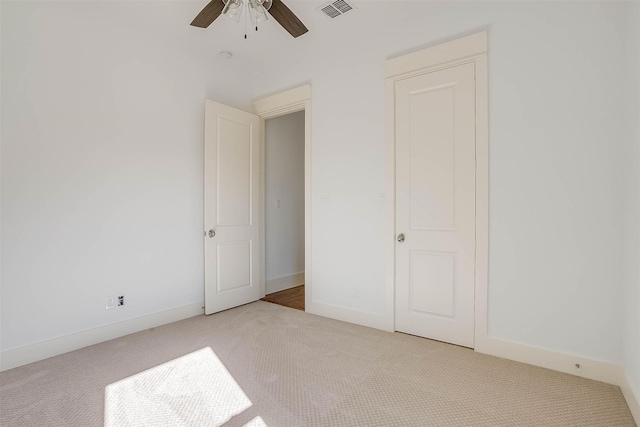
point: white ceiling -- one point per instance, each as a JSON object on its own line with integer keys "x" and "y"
{"x": 383, "y": 26}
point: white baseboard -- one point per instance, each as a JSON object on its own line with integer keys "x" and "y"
{"x": 363, "y": 318}
{"x": 598, "y": 370}
{"x": 286, "y": 282}
{"x": 632, "y": 396}
{"x": 607, "y": 372}
{"x": 32, "y": 353}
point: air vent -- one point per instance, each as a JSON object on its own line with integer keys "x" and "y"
{"x": 336, "y": 8}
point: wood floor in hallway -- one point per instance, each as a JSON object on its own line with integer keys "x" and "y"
{"x": 293, "y": 298}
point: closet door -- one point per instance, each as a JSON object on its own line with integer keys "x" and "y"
{"x": 435, "y": 205}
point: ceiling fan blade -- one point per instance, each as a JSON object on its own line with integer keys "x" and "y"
{"x": 287, "y": 18}
{"x": 209, "y": 14}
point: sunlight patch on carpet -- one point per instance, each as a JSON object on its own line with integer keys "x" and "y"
{"x": 256, "y": 422}
{"x": 195, "y": 389}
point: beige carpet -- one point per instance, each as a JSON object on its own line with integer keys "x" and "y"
{"x": 263, "y": 364}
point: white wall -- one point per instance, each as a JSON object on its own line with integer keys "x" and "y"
{"x": 284, "y": 165}
{"x": 555, "y": 243}
{"x": 102, "y": 129}
{"x": 102, "y": 157}
{"x": 631, "y": 210}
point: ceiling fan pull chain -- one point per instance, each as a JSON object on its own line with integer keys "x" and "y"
{"x": 245, "y": 21}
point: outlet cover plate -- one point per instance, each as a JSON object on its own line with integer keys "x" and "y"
{"x": 111, "y": 302}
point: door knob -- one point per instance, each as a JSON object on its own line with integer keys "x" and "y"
{"x": 211, "y": 233}
{"x": 401, "y": 237}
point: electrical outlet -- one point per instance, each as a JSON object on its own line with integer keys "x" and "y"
{"x": 112, "y": 302}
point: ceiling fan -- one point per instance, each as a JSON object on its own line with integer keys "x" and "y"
{"x": 256, "y": 9}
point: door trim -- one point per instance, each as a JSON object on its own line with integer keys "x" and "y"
{"x": 290, "y": 101}
{"x": 469, "y": 49}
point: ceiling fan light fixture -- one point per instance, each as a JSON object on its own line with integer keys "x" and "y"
{"x": 265, "y": 3}
{"x": 257, "y": 12}
{"x": 233, "y": 9}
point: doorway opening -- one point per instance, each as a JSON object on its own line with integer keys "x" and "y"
{"x": 284, "y": 210}
{"x": 274, "y": 106}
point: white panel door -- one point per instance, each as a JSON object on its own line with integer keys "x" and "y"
{"x": 231, "y": 207}
{"x": 435, "y": 205}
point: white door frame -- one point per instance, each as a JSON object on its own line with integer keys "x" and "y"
{"x": 290, "y": 101}
{"x": 470, "y": 49}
